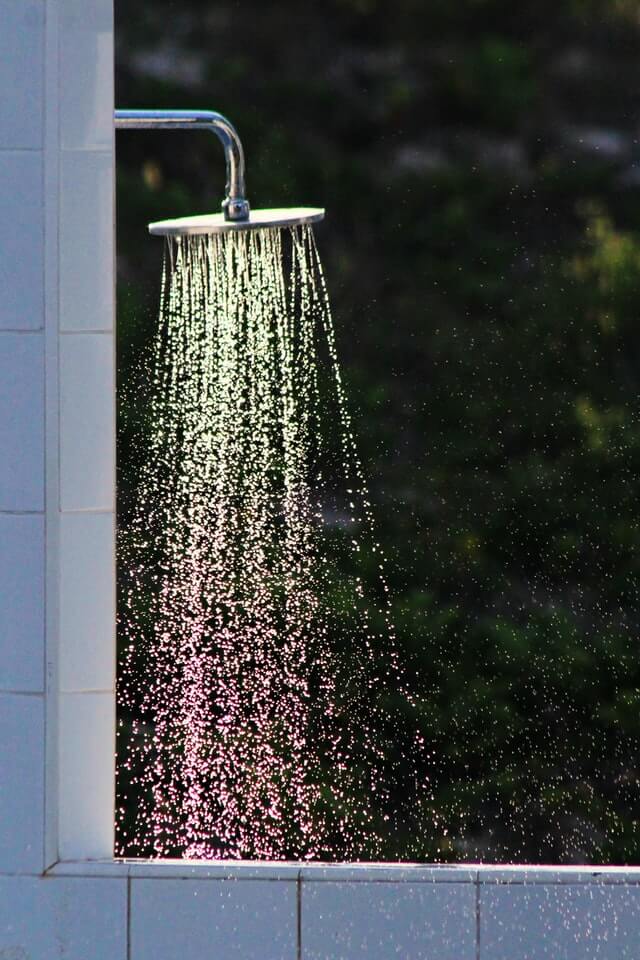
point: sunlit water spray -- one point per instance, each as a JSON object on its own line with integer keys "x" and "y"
{"x": 260, "y": 690}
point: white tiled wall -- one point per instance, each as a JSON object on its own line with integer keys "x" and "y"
{"x": 57, "y": 614}
{"x": 85, "y": 662}
{"x": 22, "y": 430}
{"x": 214, "y": 912}
{"x": 57, "y": 427}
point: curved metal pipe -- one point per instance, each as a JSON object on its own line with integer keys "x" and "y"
{"x": 235, "y": 205}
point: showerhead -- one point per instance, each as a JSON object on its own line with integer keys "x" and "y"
{"x": 217, "y": 222}
{"x": 236, "y": 213}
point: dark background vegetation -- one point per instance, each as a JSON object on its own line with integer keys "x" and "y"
{"x": 479, "y": 163}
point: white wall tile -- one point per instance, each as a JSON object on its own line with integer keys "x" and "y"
{"x": 21, "y": 73}
{"x": 52, "y": 918}
{"x": 87, "y": 425}
{"x": 559, "y": 922}
{"x": 377, "y": 921}
{"x": 21, "y": 237}
{"x": 86, "y": 74}
{"x": 216, "y": 919}
{"x": 21, "y": 602}
{"x": 21, "y": 782}
{"x": 21, "y": 421}
{"x": 86, "y": 241}
{"x": 86, "y": 774}
{"x": 87, "y": 601}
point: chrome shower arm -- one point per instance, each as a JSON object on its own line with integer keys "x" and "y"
{"x": 235, "y": 205}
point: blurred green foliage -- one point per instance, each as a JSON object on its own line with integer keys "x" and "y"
{"x": 479, "y": 165}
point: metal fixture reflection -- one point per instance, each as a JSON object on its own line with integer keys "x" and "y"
{"x": 235, "y": 206}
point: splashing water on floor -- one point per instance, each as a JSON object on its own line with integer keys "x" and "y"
{"x": 260, "y": 689}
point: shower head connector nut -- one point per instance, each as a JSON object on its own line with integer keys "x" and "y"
{"x": 236, "y": 209}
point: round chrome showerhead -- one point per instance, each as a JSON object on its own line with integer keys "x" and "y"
{"x": 217, "y": 223}
{"x": 236, "y": 212}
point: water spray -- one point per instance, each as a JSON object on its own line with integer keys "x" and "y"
{"x": 258, "y": 666}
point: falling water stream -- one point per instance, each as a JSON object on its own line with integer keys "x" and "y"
{"x": 260, "y": 689}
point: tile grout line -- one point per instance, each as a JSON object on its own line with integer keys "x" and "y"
{"x": 88, "y": 512}
{"x": 23, "y": 693}
{"x": 88, "y": 692}
{"x": 49, "y": 121}
{"x": 87, "y": 148}
{"x": 299, "y": 916}
{"x": 88, "y": 332}
{"x": 478, "y": 915}
{"x": 128, "y": 918}
{"x": 51, "y": 176}
{"x": 27, "y": 331}
{"x": 110, "y": 877}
